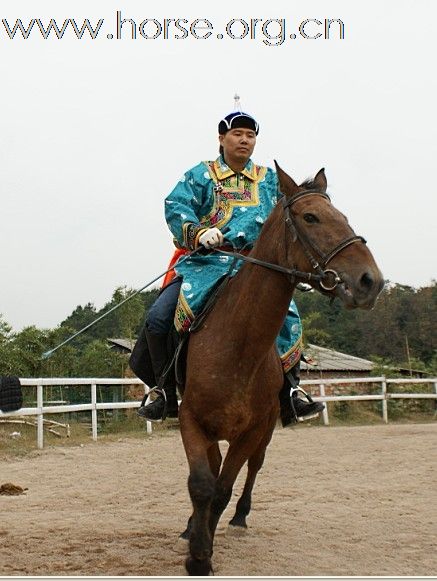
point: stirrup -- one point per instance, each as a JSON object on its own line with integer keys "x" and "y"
{"x": 307, "y": 395}
{"x": 310, "y": 399}
{"x": 161, "y": 392}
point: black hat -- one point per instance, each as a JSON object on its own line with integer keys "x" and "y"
{"x": 237, "y": 119}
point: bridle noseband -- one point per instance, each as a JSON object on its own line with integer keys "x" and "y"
{"x": 328, "y": 278}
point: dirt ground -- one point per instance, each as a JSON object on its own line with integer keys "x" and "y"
{"x": 328, "y": 501}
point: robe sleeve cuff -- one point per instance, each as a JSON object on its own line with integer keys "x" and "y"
{"x": 192, "y": 233}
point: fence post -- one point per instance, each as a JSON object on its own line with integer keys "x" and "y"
{"x": 325, "y": 411}
{"x": 148, "y": 424}
{"x": 435, "y": 401}
{"x": 40, "y": 421}
{"x": 384, "y": 401}
{"x": 94, "y": 410}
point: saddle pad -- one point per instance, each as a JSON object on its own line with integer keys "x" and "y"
{"x": 11, "y": 396}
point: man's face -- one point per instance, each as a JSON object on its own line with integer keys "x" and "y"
{"x": 238, "y": 144}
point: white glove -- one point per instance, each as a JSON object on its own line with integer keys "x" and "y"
{"x": 211, "y": 238}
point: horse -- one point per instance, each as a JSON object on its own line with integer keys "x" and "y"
{"x": 233, "y": 370}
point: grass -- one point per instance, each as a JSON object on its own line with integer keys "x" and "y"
{"x": 109, "y": 427}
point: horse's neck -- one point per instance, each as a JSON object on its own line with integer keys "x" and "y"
{"x": 258, "y": 297}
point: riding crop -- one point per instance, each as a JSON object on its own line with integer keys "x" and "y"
{"x": 50, "y": 352}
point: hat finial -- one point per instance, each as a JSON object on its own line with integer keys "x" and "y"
{"x": 237, "y": 104}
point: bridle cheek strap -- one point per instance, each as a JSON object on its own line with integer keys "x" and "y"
{"x": 329, "y": 278}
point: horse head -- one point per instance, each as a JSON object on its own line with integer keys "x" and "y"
{"x": 321, "y": 242}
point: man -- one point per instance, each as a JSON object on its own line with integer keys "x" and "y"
{"x": 219, "y": 203}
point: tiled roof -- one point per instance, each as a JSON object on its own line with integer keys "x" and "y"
{"x": 327, "y": 359}
{"x": 124, "y": 343}
{"x": 324, "y": 359}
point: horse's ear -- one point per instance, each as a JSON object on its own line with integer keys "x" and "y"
{"x": 286, "y": 184}
{"x": 320, "y": 180}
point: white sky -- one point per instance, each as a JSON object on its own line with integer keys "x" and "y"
{"x": 94, "y": 135}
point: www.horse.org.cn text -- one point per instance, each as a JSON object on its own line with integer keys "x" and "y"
{"x": 269, "y": 31}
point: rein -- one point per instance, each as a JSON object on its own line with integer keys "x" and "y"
{"x": 327, "y": 278}
{"x": 308, "y": 276}
{"x": 323, "y": 275}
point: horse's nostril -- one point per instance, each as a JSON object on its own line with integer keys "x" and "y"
{"x": 367, "y": 280}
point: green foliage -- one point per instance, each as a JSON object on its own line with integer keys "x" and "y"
{"x": 89, "y": 354}
{"x": 431, "y": 367}
{"x": 99, "y": 360}
{"x": 5, "y": 330}
{"x": 123, "y": 322}
{"x": 383, "y": 366}
{"x": 80, "y": 317}
{"x": 401, "y": 314}
{"x": 312, "y": 333}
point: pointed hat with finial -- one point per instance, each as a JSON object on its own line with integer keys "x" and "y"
{"x": 237, "y": 119}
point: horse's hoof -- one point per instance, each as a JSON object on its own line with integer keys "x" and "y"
{"x": 198, "y": 568}
{"x": 181, "y": 546}
{"x": 236, "y": 531}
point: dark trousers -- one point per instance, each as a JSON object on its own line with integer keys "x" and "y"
{"x": 161, "y": 313}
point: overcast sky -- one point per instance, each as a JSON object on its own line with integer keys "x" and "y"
{"x": 95, "y": 133}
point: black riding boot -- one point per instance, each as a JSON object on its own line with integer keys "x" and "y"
{"x": 166, "y": 404}
{"x": 294, "y": 408}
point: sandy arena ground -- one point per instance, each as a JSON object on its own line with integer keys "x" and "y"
{"x": 328, "y": 501}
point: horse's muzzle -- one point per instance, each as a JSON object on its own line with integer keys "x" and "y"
{"x": 360, "y": 292}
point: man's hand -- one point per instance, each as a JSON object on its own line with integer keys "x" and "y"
{"x": 211, "y": 238}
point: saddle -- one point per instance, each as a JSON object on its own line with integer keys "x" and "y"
{"x": 177, "y": 345}
{"x": 11, "y": 396}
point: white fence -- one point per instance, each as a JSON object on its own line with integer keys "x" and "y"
{"x": 383, "y": 396}
{"x": 93, "y": 407}
{"x": 42, "y": 409}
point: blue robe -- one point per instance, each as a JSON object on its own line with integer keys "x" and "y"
{"x": 212, "y": 195}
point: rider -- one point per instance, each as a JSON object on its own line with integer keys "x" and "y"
{"x": 221, "y": 203}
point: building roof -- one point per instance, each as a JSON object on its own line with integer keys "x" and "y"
{"x": 324, "y": 359}
{"x": 124, "y": 344}
{"x": 321, "y": 359}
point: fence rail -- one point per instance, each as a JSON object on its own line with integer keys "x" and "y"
{"x": 40, "y": 410}
{"x": 93, "y": 406}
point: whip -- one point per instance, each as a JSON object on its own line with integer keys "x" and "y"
{"x": 50, "y": 352}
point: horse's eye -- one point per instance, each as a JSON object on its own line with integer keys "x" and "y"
{"x": 310, "y": 218}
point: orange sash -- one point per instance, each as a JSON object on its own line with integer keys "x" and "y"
{"x": 171, "y": 274}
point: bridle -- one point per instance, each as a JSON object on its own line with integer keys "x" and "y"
{"x": 327, "y": 278}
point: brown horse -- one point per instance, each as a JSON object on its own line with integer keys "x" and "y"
{"x": 234, "y": 373}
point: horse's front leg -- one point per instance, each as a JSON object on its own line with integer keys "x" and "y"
{"x": 254, "y": 464}
{"x": 201, "y": 485}
{"x": 215, "y": 462}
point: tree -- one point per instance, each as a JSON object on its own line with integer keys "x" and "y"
{"x": 99, "y": 360}
{"x": 130, "y": 315}
{"x": 311, "y": 331}
{"x": 28, "y": 346}
{"x": 123, "y": 322}
{"x": 7, "y": 359}
{"x": 401, "y": 312}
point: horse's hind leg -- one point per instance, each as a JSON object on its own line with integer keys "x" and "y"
{"x": 254, "y": 464}
{"x": 201, "y": 483}
{"x": 239, "y": 451}
{"x": 215, "y": 462}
